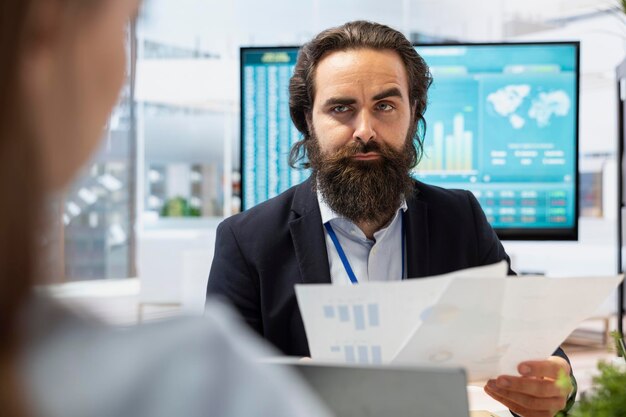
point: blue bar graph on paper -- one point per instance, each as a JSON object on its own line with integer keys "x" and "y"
{"x": 377, "y": 355}
{"x": 363, "y": 354}
{"x": 359, "y": 317}
{"x": 344, "y": 313}
{"x": 349, "y": 352}
{"x": 363, "y": 316}
{"x": 372, "y": 311}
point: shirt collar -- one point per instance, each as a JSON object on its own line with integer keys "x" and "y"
{"x": 328, "y": 214}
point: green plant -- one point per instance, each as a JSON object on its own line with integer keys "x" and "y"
{"x": 608, "y": 396}
{"x": 179, "y": 207}
{"x": 618, "y": 339}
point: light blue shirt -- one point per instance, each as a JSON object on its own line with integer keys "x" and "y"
{"x": 371, "y": 260}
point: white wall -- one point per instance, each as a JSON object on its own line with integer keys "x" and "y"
{"x": 174, "y": 262}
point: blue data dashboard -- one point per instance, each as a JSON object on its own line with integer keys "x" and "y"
{"x": 266, "y": 129}
{"x": 502, "y": 122}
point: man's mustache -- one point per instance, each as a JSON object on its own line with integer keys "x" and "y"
{"x": 360, "y": 147}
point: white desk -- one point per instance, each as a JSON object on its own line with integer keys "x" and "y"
{"x": 479, "y": 400}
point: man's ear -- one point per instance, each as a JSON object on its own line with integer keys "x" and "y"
{"x": 309, "y": 121}
{"x": 413, "y": 110}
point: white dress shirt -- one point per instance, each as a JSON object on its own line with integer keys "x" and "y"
{"x": 371, "y": 260}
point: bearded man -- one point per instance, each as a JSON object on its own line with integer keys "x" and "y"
{"x": 358, "y": 96}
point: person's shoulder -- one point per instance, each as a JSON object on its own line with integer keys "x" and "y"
{"x": 215, "y": 360}
{"x": 190, "y": 366}
{"x": 193, "y": 366}
{"x": 219, "y": 331}
{"x": 111, "y": 370}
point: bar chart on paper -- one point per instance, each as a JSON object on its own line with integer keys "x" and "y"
{"x": 357, "y": 317}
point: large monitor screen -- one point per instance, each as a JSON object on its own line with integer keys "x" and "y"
{"x": 267, "y": 133}
{"x": 502, "y": 122}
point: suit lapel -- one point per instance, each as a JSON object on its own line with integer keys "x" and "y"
{"x": 309, "y": 242}
{"x": 416, "y": 220}
{"x": 307, "y": 233}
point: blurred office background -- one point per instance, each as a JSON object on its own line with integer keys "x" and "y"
{"x": 138, "y": 226}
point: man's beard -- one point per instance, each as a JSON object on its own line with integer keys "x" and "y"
{"x": 363, "y": 191}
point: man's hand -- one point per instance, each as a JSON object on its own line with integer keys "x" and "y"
{"x": 535, "y": 393}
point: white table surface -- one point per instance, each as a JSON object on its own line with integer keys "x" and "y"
{"x": 479, "y": 400}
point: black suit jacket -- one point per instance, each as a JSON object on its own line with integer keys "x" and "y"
{"x": 263, "y": 252}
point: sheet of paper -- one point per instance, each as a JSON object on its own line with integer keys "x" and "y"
{"x": 488, "y": 325}
{"x": 368, "y": 323}
{"x": 472, "y": 318}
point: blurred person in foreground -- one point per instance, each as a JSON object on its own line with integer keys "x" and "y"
{"x": 63, "y": 64}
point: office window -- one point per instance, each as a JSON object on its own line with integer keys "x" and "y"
{"x": 186, "y": 123}
{"x": 98, "y": 210}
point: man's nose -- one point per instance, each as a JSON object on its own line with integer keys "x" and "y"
{"x": 364, "y": 129}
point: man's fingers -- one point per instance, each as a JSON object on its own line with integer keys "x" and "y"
{"x": 516, "y": 408}
{"x": 535, "y": 393}
{"x": 550, "y": 368}
{"x": 526, "y": 405}
{"x": 543, "y": 388}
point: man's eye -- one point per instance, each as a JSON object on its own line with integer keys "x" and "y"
{"x": 340, "y": 109}
{"x": 384, "y": 106}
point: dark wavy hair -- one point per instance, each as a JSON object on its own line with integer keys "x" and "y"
{"x": 355, "y": 35}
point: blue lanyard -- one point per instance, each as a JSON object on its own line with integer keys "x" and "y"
{"x": 344, "y": 258}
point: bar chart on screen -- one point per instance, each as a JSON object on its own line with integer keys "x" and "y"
{"x": 450, "y": 153}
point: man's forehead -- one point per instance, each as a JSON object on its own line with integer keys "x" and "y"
{"x": 368, "y": 69}
{"x": 347, "y": 59}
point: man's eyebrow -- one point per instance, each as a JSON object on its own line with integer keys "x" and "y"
{"x": 392, "y": 92}
{"x": 339, "y": 101}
